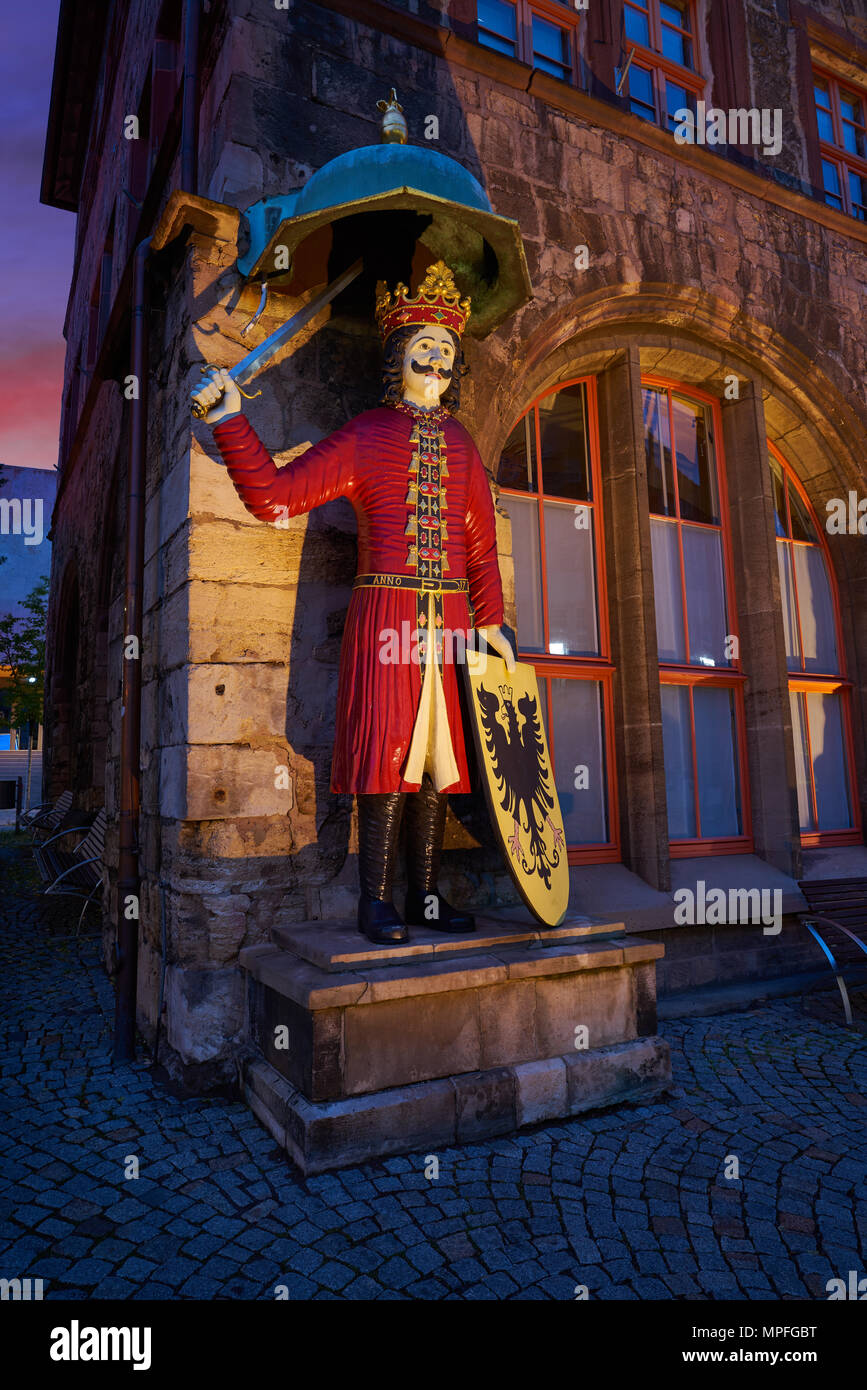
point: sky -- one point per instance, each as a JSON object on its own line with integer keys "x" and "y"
{"x": 36, "y": 245}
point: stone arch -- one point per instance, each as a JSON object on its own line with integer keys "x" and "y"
{"x": 699, "y": 337}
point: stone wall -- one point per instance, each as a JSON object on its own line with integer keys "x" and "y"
{"x": 697, "y": 270}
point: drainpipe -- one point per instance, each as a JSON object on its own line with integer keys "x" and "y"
{"x": 129, "y": 874}
{"x": 190, "y": 122}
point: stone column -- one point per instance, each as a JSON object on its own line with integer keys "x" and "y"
{"x": 637, "y": 709}
{"x": 770, "y": 749}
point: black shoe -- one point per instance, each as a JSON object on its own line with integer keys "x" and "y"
{"x": 379, "y": 921}
{"x": 445, "y": 917}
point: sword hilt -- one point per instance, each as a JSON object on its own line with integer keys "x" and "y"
{"x": 200, "y": 411}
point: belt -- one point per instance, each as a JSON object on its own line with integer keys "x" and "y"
{"x": 409, "y": 581}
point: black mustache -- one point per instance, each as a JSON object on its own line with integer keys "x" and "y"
{"x": 430, "y": 367}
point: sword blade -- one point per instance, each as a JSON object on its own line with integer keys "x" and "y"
{"x": 251, "y": 365}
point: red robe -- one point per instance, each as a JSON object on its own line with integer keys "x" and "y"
{"x": 368, "y": 461}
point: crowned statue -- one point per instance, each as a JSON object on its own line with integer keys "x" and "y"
{"x": 427, "y": 557}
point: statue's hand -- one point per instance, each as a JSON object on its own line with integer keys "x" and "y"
{"x": 219, "y": 394}
{"x": 499, "y": 642}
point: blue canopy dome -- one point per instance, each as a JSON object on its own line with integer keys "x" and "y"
{"x": 375, "y": 169}
{"x": 399, "y": 207}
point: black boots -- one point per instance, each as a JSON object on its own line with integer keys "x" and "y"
{"x": 378, "y": 826}
{"x": 379, "y": 818}
{"x": 425, "y": 824}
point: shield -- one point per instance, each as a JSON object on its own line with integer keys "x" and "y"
{"x": 509, "y": 733}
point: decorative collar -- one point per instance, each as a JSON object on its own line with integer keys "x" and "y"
{"x": 435, "y": 413}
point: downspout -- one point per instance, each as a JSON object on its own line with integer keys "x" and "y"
{"x": 129, "y": 873}
{"x": 129, "y": 869}
{"x": 190, "y": 119}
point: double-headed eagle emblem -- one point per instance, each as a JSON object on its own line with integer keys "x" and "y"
{"x": 518, "y": 762}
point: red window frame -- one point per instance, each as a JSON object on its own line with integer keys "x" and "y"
{"x": 654, "y": 61}
{"x": 845, "y": 161}
{"x": 680, "y": 673}
{"x": 813, "y": 683}
{"x": 598, "y": 668}
{"x": 556, "y": 12}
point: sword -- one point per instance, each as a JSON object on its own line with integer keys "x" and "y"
{"x": 251, "y": 365}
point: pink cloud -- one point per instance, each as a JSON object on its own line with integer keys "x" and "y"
{"x": 30, "y": 414}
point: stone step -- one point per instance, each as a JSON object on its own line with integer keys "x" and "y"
{"x": 427, "y": 1116}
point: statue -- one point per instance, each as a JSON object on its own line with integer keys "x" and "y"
{"x": 427, "y": 558}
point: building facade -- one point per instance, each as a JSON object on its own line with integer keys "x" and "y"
{"x": 674, "y": 427}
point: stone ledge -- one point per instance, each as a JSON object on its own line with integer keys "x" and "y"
{"x": 459, "y": 1109}
{"x": 315, "y": 988}
{"x": 339, "y": 945}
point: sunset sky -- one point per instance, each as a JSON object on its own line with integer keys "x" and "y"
{"x": 36, "y": 246}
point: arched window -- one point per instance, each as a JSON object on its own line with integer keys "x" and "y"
{"x": 550, "y": 486}
{"x": 818, "y": 689}
{"x": 699, "y": 669}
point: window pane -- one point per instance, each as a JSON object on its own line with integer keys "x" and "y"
{"x": 802, "y": 525}
{"x": 829, "y": 761}
{"x": 641, "y": 99}
{"x": 802, "y": 760}
{"x": 675, "y": 14}
{"x": 570, "y": 572}
{"x": 551, "y": 48}
{"x": 816, "y": 610}
{"x": 831, "y": 180}
{"x": 498, "y": 26}
{"x": 579, "y": 742}
{"x": 696, "y": 474}
{"x": 858, "y": 195}
{"x": 677, "y": 98}
{"x": 716, "y": 762}
{"x": 780, "y": 521}
{"x": 564, "y": 444}
{"x": 677, "y": 746}
{"x": 705, "y": 596}
{"x": 667, "y": 593}
{"x": 637, "y": 26}
{"x": 676, "y": 47}
{"x": 517, "y": 467}
{"x": 850, "y": 108}
{"x": 790, "y": 616}
{"x": 826, "y": 126}
{"x": 524, "y": 515}
{"x": 657, "y": 447}
{"x": 823, "y": 99}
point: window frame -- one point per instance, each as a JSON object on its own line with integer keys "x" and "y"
{"x": 561, "y": 15}
{"x": 600, "y": 667}
{"x": 817, "y": 683}
{"x": 844, "y": 160}
{"x": 661, "y": 67}
{"x": 730, "y": 677}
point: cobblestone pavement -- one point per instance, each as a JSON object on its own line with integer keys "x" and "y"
{"x": 632, "y": 1203}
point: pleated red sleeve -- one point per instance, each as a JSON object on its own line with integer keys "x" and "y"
{"x": 483, "y": 572}
{"x": 323, "y": 472}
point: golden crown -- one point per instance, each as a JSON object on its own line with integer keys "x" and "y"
{"x": 438, "y": 301}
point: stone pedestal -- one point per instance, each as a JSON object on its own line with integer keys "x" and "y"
{"x": 370, "y": 1050}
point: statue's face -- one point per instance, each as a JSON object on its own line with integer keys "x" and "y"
{"x": 428, "y": 363}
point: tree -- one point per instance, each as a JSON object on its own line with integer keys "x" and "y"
{"x": 22, "y": 650}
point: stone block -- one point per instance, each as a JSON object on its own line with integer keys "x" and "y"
{"x": 401, "y": 1041}
{"x": 611, "y": 1074}
{"x": 541, "y": 1090}
{"x": 486, "y": 1104}
{"x": 205, "y": 1011}
{"x": 602, "y": 1001}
